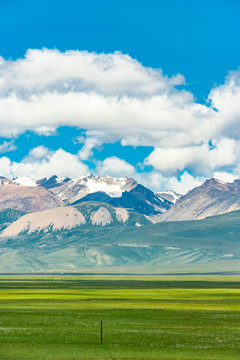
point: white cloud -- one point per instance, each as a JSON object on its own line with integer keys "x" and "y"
{"x": 172, "y": 160}
{"x": 89, "y": 144}
{"x": 110, "y": 93}
{"x": 185, "y": 183}
{"x": 113, "y": 166}
{"x": 39, "y": 152}
{"x": 226, "y": 99}
{"x": 157, "y": 182}
{"x": 149, "y": 121}
{"x": 41, "y": 163}
{"x": 224, "y": 176}
{"x": 7, "y": 146}
{"x": 5, "y": 167}
{"x": 109, "y": 74}
{"x": 114, "y": 97}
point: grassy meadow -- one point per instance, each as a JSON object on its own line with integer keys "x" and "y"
{"x": 144, "y": 317}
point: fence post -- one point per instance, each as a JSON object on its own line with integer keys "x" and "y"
{"x": 101, "y": 332}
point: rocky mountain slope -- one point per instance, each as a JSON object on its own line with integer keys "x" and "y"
{"x": 143, "y": 201}
{"x": 214, "y": 197}
{"x": 52, "y": 181}
{"x": 26, "y": 198}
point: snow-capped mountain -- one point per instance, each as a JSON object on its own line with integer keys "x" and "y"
{"x": 52, "y": 181}
{"x": 121, "y": 192}
{"x": 214, "y": 197}
{"x": 71, "y": 190}
{"x": 169, "y": 195}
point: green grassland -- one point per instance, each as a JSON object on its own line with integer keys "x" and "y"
{"x": 144, "y": 317}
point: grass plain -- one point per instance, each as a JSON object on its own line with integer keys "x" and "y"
{"x": 144, "y": 317}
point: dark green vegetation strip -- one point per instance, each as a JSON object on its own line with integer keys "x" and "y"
{"x": 58, "y": 318}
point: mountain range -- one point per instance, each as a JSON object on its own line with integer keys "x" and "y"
{"x": 64, "y": 224}
{"x": 119, "y": 192}
{"x": 213, "y": 197}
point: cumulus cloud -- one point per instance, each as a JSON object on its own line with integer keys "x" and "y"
{"x": 157, "y": 182}
{"x": 42, "y": 162}
{"x": 114, "y": 166}
{"x": 226, "y": 99}
{"x": 220, "y": 154}
{"x": 148, "y": 121}
{"x": 38, "y": 152}
{"x": 7, "y": 146}
{"x": 89, "y": 144}
{"x": 225, "y": 176}
{"x": 154, "y": 180}
{"x": 113, "y": 97}
{"x": 110, "y": 93}
{"x": 109, "y": 74}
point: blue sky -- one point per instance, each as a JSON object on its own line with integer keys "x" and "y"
{"x": 197, "y": 39}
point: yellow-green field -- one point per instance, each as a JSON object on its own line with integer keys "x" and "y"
{"x": 170, "y": 317}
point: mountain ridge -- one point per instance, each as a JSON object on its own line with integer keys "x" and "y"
{"x": 70, "y": 217}
{"x": 213, "y": 197}
{"x": 27, "y": 198}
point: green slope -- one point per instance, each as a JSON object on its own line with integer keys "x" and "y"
{"x": 222, "y": 232}
{"x": 8, "y": 216}
{"x": 210, "y": 244}
{"x": 87, "y": 208}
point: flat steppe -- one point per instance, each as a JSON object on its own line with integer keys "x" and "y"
{"x": 144, "y": 317}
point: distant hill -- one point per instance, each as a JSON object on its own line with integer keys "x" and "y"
{"x": 26, "y": 198}
{"x": 70, "y": 217}
{"x": 212, "y": 242}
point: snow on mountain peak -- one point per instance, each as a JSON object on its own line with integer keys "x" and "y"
{"x": 114, "y": 187}
{"x": 81, "y": 186}
{"x": 169, "y": 195}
